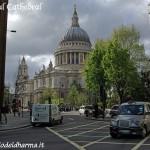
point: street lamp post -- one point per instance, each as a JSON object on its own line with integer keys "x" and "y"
{"x": 3, "y": 32}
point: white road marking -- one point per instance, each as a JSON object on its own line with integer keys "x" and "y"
{"x": 71, "y": 119}
{"x": 94, "y": 142}
{"x": 115, "y": 143}
{"x": 88, "y": 131}
{"x": 146, "y": 144}
{"x": 63, "y": 125}
{"x": 77, "y": 126}
{"x": 140, "y": 143}
{"x": 16, "y": 129}
{"x": 91, "y": 136}
{"x": 66, "y": 139}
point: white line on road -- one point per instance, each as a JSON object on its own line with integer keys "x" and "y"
{"x": 78, "y": 126}
{"x": 140, "y": 143}
{"x": 71, "y": 119}
{"x": 66, "y": 139}
{"x": 87, "y": 131}
{"x": 117, "y": 143}
{"x": 94, "y": 142}
{"x": 63, "y": 125}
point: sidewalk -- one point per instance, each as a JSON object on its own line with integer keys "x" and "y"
{"x": 15, "y": 122}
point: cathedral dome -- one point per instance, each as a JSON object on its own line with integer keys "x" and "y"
{"x": 75, "y": 32}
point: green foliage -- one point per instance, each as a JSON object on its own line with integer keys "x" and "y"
{"x": 82, "y": 99}
{"x": 128, "y": 37}
{"x": 94, "y": 71}
{"x": 73, "y": 95}
{"x": 114, "y": 63}
{"x": 76, "y": 97}
{"x": 49, "y": 93}
{"x": 119, "y": 68}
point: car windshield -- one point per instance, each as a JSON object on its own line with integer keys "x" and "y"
{"x": 131, "y": 110}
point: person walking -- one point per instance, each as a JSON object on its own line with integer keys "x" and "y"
{"x": 4, "y": 111}
{"x": 14, "y": 107}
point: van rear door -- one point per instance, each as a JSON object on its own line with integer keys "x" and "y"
{"x": 40, "y": 113}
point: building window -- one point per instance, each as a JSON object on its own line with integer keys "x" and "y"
{"x": 72, "y": 58}
{"x": 77, "y": 58}
{"x": 60, "y": 58}
{"x": 84, "y": 56}
{"x": 44, "y": 82}
{"x": 68, "y": 57}
{"x": 81, "y": 57}
{"x": 64, "y": 58}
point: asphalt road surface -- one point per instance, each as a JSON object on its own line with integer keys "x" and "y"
{"x": 76, "y": 133}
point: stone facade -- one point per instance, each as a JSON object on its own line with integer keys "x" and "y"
{"x": 70, "y": 57}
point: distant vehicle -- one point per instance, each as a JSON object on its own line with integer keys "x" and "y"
{"x": 45, "y": 114}
{"x": 82, "y": 110}
{"x": 107, "y": 113}
{"x": 90, "y": 112}
{"x": 133, "y": 119}
{"x": 114, "y": 110}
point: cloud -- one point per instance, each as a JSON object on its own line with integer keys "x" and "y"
{"x": 39, "y": 31}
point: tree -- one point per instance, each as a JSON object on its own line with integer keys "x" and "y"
{"x": 94, "y": 71}
{"x": 73, "y": 95}
{"x": 49, "y": 95}
{"x": 129, "y": 38}
{"x": 119, "y": 68}
{"x": 82, "y": 99}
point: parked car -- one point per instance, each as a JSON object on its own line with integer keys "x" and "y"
{"x": 133, "y": 119}
{"x": 90, "y": 111}
{"x": 114, "y": 110}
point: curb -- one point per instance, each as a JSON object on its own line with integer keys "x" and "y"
{"x": 15, "y": 128}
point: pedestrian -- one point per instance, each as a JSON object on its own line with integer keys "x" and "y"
{"x": 18, "y": 106}
{"x": 96, "y": 110}
{"x": 14, "y": 107}
{"x": 9, "y": 107}
{"x": 4, "y": 111}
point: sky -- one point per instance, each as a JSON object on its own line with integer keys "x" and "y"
{"x": 41, "y": 24}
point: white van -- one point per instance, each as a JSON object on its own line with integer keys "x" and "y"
{"x": 45, "y": 114}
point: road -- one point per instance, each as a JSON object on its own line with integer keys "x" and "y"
{"x": 75, "y": 133}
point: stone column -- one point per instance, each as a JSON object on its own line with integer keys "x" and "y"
{"x": 66, "y": 58}
{"x": 75, "y": 58}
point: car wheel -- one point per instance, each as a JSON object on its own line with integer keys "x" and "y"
{"x": 52, "y": 122}
{"x": 33, "y": 124}
{"x": 144, "y": 132}
{"x": 114, "y": 135}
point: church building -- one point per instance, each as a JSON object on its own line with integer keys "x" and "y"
{"x": 70, "y": 56}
